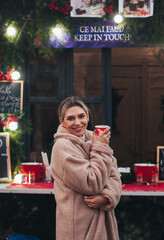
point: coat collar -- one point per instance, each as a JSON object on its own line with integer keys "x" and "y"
{"x": 63, "y": 133}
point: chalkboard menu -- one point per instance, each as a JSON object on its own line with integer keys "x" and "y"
{"x": 160, "y": 163}
{"x": 5, "y": 164}
{"x": 11, "y": 96}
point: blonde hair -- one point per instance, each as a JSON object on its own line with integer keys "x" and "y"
{"x": 71, "y": 102}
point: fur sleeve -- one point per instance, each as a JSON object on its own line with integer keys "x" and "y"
{"x": 113, "y": 188}
{"x": 87, "y": 176}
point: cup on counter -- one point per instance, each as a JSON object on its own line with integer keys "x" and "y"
{"x": 146, "y": 169}
{"x": 38, "y": 169}
{"x": 99, "y": 128}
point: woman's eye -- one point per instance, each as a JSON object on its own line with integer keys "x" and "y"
{"x": 82, "y": 116}
{"x": 70, "y": 118}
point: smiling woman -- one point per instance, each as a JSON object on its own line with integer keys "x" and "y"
{"x": 86, "y": 179}
{"x": 74, "y": 116}
{"x": 75, "y": 120}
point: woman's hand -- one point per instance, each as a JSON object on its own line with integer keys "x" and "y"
{"x": 103, "y": 136}
{"x": 95, "y": 201}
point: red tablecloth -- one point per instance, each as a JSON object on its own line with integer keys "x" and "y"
{"x": 135, "y": 187}
{"x": 38, "y": 185}
{"x": 126, "y": 187}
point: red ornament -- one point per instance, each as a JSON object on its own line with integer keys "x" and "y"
{"x": 37, "y": 41}
{"x": 6, "y": 76}
{"x": 109, "y": 9}
{"x": 65, "y": 10}
{"x": 10, "y": 118}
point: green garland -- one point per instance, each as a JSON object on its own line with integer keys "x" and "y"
{"x": 16, "y": 137}
{"x": 34, "y": 20}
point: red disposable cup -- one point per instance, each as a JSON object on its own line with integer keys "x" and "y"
{"x": 99, "y": 128}
{"x": 146, "y": 169}
{"x": 37, "y": 168}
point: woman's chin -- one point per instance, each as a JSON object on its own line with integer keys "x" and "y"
{"x": 79, "y": 133}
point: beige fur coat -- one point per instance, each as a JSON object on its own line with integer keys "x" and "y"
{"x": 81, "y": 168}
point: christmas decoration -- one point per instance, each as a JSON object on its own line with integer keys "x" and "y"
{"x": 34, "y": 20}
{"x": 16, "y": 137}
{"x": 65, "y": 10}
{"x": 6, "y": 76}
{"x": 109, "y": 9}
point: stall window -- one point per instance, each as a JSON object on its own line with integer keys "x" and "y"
{"x": 67, "y": 73}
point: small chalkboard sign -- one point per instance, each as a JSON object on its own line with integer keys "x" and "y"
{"x": 5, "y": 163}
{"x": 11, "y": 96}
{"x": 160, "y": 163}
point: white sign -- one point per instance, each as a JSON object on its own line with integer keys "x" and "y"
{"x": 87, "y": 8}
{"x": 136, "y": 8}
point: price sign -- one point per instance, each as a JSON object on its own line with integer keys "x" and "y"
{"x": 11, "y": 96}
{"x": 160, "y": 163}
{"x": 5, "y": 164}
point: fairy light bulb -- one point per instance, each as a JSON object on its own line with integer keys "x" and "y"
{"x": 57, "y": 32}
{"x": 15, "y": 75}
{"x": 13, "y": 126}
{"x": 11, "y": 31}
{"x": 118, "y": 19}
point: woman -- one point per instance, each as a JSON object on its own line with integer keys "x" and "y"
{"x": 86, "y": 179}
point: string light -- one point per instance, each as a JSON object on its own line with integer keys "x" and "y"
{"x": 11, "y": 31}
{"x": 57, "y": 31}
{"x": 13, "y": 126}
{"x": 15, "y": 75}
{"x": 118, "y": 19}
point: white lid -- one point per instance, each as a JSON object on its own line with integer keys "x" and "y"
{"x": 144, "y": 164}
